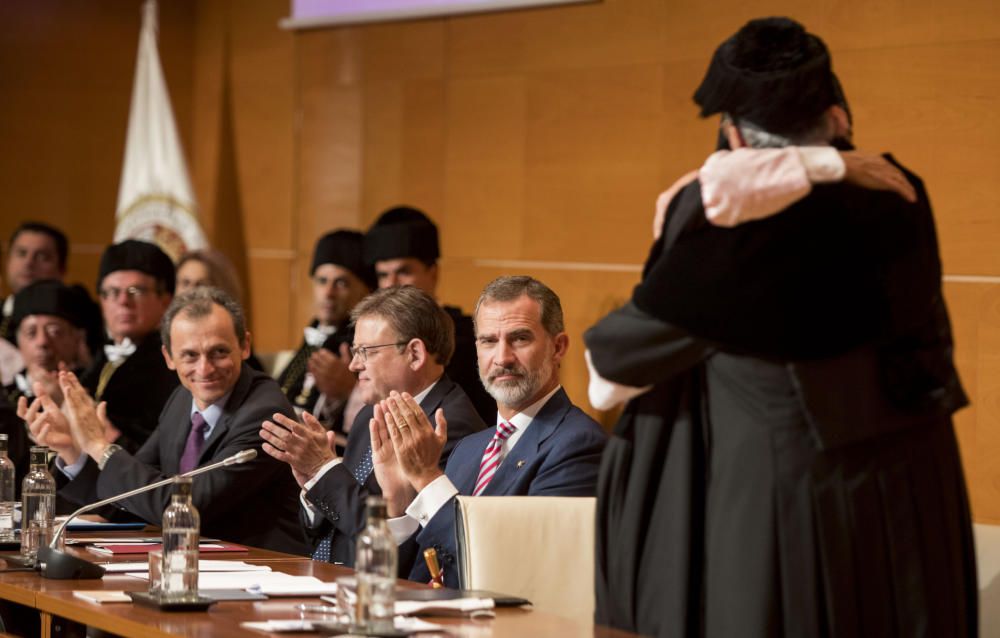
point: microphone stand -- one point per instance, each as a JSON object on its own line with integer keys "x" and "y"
{"x": 55, "y": 563}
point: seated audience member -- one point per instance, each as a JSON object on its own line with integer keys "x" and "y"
{"x": 48, "y": 328}
{"x": 403, "y": 247}
{"x": 215, "y": 415}
{"x": 542, "y": 445}
{"x": 402, "y": 342}
{"x": 35, "y": 252}
{"x": 209, "y": 267}
{"x": 136, "y": 284}
{"x": 318, "y": 378}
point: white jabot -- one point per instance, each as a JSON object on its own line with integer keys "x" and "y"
{"x": 21, "y": 379}
{"x": 118, "y": 352}
{"x": 317, "y": 336}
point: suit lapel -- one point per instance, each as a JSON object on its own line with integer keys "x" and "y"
{"x": 526, "y": 449}
{"x": 174, "y": 428}
{"x": 240, "y": 391}
{"x": 435, "y": 397}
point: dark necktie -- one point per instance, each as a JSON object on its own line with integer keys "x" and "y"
{"x": 195, "y": 443}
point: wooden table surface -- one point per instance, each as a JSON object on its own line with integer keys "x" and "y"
{"x": 54, "y": 598}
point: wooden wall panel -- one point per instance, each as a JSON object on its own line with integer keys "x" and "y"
{"x": 593, "y": 147}
{"x": 484, "y": 168}
{"x": 261, "y": 114}
{"x": 66, "y": 72}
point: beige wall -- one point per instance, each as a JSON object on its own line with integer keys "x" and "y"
{"x": 537, "y": 139}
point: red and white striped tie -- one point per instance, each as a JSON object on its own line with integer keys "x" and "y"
{"x": 491, "y": 457}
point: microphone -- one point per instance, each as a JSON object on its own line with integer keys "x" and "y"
{"x": 55, "y": 563}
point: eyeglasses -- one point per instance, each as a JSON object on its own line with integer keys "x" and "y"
{"x": 362, "y": 351}
{"x": 132, "y": 292}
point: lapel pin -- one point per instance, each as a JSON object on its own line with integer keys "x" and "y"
{"x": 520, "y": 464}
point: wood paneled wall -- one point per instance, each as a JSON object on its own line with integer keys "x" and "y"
{"x": 538, "y": 140}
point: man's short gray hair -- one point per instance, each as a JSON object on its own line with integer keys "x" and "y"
{"x": 198, "y": 303}
{"x": 513, "y": 287}
{"x": 757, "y": 137}
{"x": 412, "y": 314}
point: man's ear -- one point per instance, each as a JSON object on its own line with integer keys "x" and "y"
{"x": 841, "y": 122}
{"x": 166, "y": 357}
{"x": 732, "y": 134}
{"x": 245, "y": 348}
{"x": 416, "y": 353}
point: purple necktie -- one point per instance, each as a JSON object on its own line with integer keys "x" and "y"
{"x": 195, "y": 443}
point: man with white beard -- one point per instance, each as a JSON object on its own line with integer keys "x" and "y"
{"x": 542, "y": 444}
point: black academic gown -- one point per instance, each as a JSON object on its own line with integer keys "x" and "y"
{"x": 464, "y": 365}
{"x": 793, "y": 470}
{"x": 137, "y": 391}
{"x": 292, "y": 378}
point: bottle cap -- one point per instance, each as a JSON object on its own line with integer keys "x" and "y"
{"x": 39, "y": 455}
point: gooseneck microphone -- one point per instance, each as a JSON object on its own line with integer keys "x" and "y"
{"x": 56, "y": 563}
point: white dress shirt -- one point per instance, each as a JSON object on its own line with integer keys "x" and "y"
{"x": 438, "y": 492}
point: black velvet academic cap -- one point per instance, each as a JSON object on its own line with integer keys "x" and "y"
{"x": 402, "y": 232}
{"x": 49, "y": 297}
{"x": 772, "y": 73}
{"x": 344, "y": 248}
{"x": 143, "y": 256}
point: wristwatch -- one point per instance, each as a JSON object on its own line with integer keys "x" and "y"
{"x": 108, "y": 453}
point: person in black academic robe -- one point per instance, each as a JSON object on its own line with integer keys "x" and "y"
{"x": 792, "y": 468}
{"x": 340, "y": 279}
{"x": 136, "y": 283}
{"x": 403, "y": 247}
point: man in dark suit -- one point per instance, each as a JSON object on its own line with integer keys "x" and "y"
{"x": 136, "y": 284}
{"x": 216, "y": 414}
{"x": 542, "y": 444}
{"x": 788, "y": 466}
{"x": 317, "y": 379}
{"x": 402, "y": 342}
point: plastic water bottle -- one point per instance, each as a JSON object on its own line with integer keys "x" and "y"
{"x": 181, "y": 532}
{"x": 6, "y": 493}
{"x": 375, "y": 562}
{"x": 38, "y": 503}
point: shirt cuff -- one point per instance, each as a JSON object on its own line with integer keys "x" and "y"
{"x": 431, "y": 499}
{"x": 308, "y": 508}
{"x": 605, "y": 394}
{"x": 822, "y": 163}
{"x": 311, "y": 511}
{"x": 319, "y": 474}
{"x": 72, "y": 471}
{"x": 402, "y": 527}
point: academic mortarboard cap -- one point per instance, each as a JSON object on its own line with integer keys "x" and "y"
{"x": 402, "y": 232}
{"x": 344, "y": 248}
{"x": 133, "y": 254}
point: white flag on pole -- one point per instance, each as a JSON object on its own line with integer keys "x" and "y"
{"x": 155, "y": 198}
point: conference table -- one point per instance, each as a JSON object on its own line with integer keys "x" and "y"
{"x": 54, "y": 602}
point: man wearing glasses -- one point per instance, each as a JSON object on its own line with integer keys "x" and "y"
{"x": 48, "y": 326}
{"x": 403, "y": 340}
{"x": 136, "y": 284}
